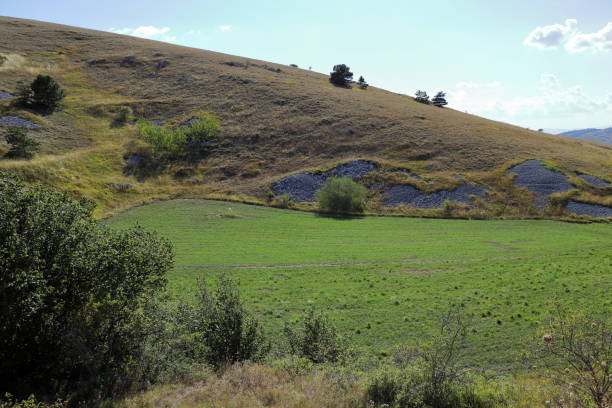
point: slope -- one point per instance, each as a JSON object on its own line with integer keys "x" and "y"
{"x": 278, "y": 120}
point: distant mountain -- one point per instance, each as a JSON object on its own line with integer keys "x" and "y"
{"x": 595, "y": 135}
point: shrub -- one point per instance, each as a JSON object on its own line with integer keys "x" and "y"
{"x": 197, "y": 138}
{"x": 75, "y": 292}
{"x": 124, "y": 113}
{"x": 315, "y": 338}
{"x": 21, "y": 146}
{"x": 43, "y": 93}
{"x": 341, "y": 75}
{"x": 578, "y": 348}
{"x": 384, "y": 388}
{"x": 342, "y": 196}
{"x": 282, "y": 201}
{"x": 449, "y": 206}
{"x": 227, "y": 331}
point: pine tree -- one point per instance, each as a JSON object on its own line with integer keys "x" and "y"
{"x": 439, "y": 100}
{"x": 341, "y": 75}
{"x": 362, "y": 83}
{"x": 421, "y": 96}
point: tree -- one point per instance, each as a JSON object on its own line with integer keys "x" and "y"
{"x": 362, "y": 83}
{"x": 341, "y": 75}
{"x": 439, "y": 100}
{"x": 21, "y": 146}
{"x": 342, "y": 196}
{"x": 421, "y": 96}
{"x": 43, "y": 93}
{"x": 72, "y": 295}
{"x": 228, "y": 332}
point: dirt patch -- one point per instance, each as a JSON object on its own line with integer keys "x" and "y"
{"x": 592, "y": 210}
{"x": 410, "y": 195}
{"x": 502, "y": 246}
{"x": 535, "y": 177}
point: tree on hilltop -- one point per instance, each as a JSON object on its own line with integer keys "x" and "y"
{"x": 439, "y": 100}
{"x": 421, "y": 96}
{"x": 341, "y": 75}
{"x": 362, "y": 83}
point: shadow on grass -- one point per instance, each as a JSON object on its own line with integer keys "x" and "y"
{"x": 340, "y": 217}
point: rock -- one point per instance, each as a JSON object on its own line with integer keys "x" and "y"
{"x": 533, "y": 176}
{"x": 121, "y": 186}
{"x": 301, "y": 186}
{"x": 134, "y": 160}
{"x": 594, "y": 180}
{"x": 354, "y": 169}
{"x": 161, "y": 64}
{"x": 412, "y": 196}
{"x": 17, "y": 121}
{"x": 593, "y": 210}
{"x": 6, "y": 95}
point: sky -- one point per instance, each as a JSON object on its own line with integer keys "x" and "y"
{"x": 534, "y": 63}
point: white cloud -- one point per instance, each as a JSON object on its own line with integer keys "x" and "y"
{"x": 554, "y": 36}
{"x": 194, "y": 32}
{"x": 599, "y": 41}
{"x": 550, "y": 101}
{"x": 225, "y": 27}
{"x": 145, "y": 32}
{"x": 550, "y": 36}
{"x": 170, "y": 39}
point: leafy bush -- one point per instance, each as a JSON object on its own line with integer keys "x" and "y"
{"x": 315, "y": 338}
{"x": 342, "y": 196}
{"x": 197, "y": 138}
{"x": 227, "y": 331}
{"x": 124, "y": 113}
{"x": 341, "y": 75}
{"x": 43, "y": 93}
{"x": 21, "y": 146}
{"x": 384, "y": 388}
{"x": 75, "y": 292}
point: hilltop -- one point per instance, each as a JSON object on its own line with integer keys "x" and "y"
{"x": 278, "y": 120}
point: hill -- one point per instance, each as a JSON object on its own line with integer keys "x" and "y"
{"x": 278, "y": 120}
{"x": 596, "y": 135}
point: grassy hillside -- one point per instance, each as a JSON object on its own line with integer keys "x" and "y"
{"x": 388, "y": 279}
{"x": 277, "y": 119}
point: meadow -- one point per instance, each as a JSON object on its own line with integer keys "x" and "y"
{"x": 386, "y": 280}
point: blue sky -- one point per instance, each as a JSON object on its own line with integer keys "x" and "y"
{"x": 534, "y": 63}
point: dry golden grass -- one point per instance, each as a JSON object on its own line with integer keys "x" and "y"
{"x": 278, "y": 123}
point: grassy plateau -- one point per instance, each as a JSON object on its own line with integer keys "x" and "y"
{"x": 386, "y": 280}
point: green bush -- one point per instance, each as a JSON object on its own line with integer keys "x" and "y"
{"x": 21, "y": 146}
{"x": 199, "y": 138}
{"x": 227, "y": 331}
{"x": 124, "y": 113}
{"x": 43, "y": 93}
{"x": 384, "y": 388}
{"x": 75, "y": 292}
{"x": 342, "y": 196}
{"x": 315, "y": 338}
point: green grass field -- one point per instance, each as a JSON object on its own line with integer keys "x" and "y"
{"x": 386, "y": 280}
